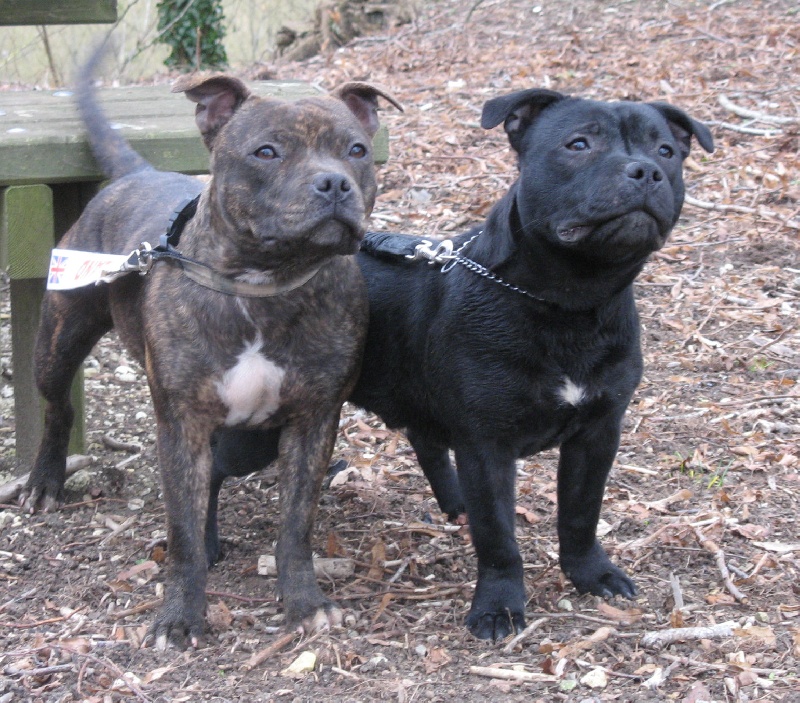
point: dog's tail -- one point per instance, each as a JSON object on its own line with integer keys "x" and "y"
{"x": 114, "y": 155}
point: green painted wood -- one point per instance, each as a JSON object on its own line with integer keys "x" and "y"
{"x": 26, "y": 300}
{"x": 20, "y": 12}
{"x": 26, "y": 225}
{"x": 42, "y": 139}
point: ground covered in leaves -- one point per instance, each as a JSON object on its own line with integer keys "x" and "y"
{"x": 701, "y": 508}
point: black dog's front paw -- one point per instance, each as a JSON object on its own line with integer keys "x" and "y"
{"x": 498, "y": 608}
{"x": 594, "y": 573}
{"x": 495, "y": 626}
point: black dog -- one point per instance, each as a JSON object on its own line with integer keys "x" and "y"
{"x": 528, "y": 338}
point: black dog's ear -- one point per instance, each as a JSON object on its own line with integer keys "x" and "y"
{"x": 362, "y": 100}
{"x": 217, "y": 96}
{"x": 517, "y": 111}
{"x": 683, "y": 127}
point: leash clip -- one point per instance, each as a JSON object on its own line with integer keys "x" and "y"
{"x": 442, "y": 254}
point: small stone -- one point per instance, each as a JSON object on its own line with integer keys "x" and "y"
{"x": 78, "y": 482}
{"x": 596, "y": 678}
{"x": 304, "y": 664}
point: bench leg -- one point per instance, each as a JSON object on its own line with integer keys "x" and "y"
{"x": 28, "y": 233}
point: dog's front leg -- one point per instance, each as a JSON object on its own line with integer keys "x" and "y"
{"x": 305, "y": 451}
{"x": 487, "y": 477}
{"x": 583, "y": 467}
{"x": 184, "y": 454}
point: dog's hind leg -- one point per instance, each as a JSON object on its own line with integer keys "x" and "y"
{"x": 434, "y": 458}
{"x": 237, "y": 452}
{"x": 72, "y": 323}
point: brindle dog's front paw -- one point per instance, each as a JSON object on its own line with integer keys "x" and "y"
{"x": 177, "y": 623}
{"x": 308, "y": 617}
{"x": 594, "y": 573}
{"x": 44, "y": 496}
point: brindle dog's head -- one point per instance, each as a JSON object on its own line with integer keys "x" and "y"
{"x": 289, "y": 178}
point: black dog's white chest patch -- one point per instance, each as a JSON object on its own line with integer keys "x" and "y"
{"x": 571, "y": 393}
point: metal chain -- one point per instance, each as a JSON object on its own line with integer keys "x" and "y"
{"x": 475, "y": 267}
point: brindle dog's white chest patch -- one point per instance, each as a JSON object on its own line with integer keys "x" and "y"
{"x": 251, "y": 389}
{"x": 571, "y": 393}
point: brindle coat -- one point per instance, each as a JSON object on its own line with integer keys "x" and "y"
{"x": 292, "y": 185}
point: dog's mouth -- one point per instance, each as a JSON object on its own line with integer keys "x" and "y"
{"x": 572, "y": 234}
{"x": 629, "y": 229}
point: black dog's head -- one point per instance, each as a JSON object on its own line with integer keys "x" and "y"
{"x": 601, "y": 180}
{"x": 289, "y": 178}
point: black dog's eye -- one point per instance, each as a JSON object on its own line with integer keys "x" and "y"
{"x": 579, "y": 144}
{"x": 666, "y": 151}
{"x": 358, "y": 151}
{"x": 266, "y": 153}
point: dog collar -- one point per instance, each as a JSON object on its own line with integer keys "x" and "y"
{"x": 442, "y": 253}
{"x": 142, "y": 261}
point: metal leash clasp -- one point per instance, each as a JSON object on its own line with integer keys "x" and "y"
{"x": 140, "y": 260}
{"x": 442, "y": 254}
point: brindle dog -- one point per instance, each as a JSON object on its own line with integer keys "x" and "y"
{"x": 292, "y": 184}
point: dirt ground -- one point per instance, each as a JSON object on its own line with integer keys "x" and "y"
{"x": 701, "y": 507}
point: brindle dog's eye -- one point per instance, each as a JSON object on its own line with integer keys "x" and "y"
{"x": 579, "y": 144}
{"x": 666, "y": 151}
{"x": 266, "y": 153}
{"x": 358, "y": 151}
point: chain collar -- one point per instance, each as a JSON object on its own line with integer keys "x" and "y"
{"x": 444, "y": 254}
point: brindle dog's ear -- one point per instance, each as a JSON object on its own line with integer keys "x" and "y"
{"x": 217, "y": 96}
{"x": 362, "y": 99}
{"x": 683, "y": 127}
{"x": 517, "y": 111}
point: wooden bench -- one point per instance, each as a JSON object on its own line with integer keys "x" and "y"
{"x": 47, "y": 175}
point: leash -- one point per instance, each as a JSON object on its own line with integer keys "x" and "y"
{"x": 443, "y": 253}
{"x": 82, "y": 268}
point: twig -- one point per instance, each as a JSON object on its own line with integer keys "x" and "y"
{"x": 260, "y": 657}
{"x": 527, "y": 632}
{"x": 728, "y": 104}
{"x": 20, "y": 597}
{"x": 42, "y": 671}
{"x": 677, "y": 593}
{"x": 686, "y": 661}
{"x": 494, "y": 672}
{"x": 118, "y": 529}
{"x": 718, "y": 207}
{"x": 719, "y": 555}
{"x": 662, "y": 638}
{"x": 743, "y": 129}
{"x": 117, "y": 445}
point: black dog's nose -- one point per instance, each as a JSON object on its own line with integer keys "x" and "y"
{"x": 333, "y": 186}
{"x": 643, "y": 171}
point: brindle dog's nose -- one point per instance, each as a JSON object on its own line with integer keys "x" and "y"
{"x": 332, "y": 186}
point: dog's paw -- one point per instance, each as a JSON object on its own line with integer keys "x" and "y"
{"x": 495, "y": 626}
{"x": 176, "y": 625}
{"x": 40, "y": 498}
{"x": 594, "y": 573}
{"x": 498, "y": 607}
{"x": 324, "y": 618}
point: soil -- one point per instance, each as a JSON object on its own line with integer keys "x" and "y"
{"x": 701, "y": 507}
